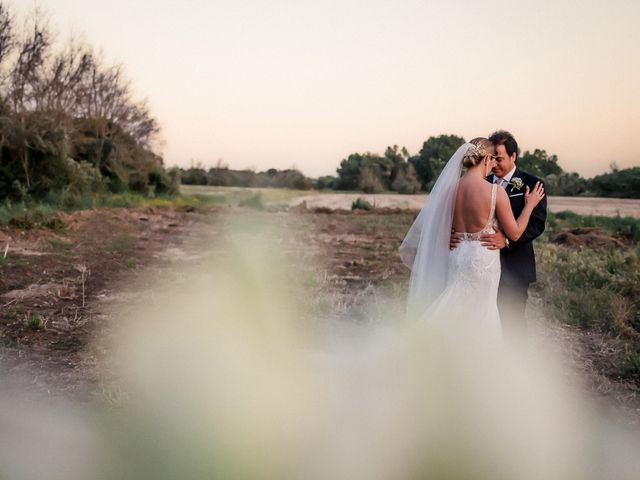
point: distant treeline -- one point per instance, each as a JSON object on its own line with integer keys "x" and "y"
{"x": 398, "y": 171}
{"x": 222, "y": 176}
{"x": 69, "y": 125}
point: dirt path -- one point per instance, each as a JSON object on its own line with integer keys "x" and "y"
{"x": 53, "y": 283}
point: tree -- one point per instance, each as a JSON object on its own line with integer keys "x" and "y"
{"x": 351, "y": 170}
{"x": 61, "y": 89}
{"x": 571, "y": 184}
{"x": 27, "y": 72}
{"x": 290, "y": 178}
{"x": 219, "y": 175}
{"x": 620, "y": 183}
{"x": 370, "y": 181}
{"x": 433, "y": 155}
{"x": 398, "y": 158}
{"x": 406, "y": 181}
{"x": 327, "y": 181}
{"x": 194, "y": 176}
{"x": 539, "y": 163}
{"x": 7, "y": 42}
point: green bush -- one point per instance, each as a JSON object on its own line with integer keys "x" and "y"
{"x": 360, "y": 204}
{"x": 35, "y": 321}
{"x": 163, "y": 183}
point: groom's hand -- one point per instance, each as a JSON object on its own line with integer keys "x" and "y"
{"x": 454, "y": 240}
{"x": 494, "y": 241}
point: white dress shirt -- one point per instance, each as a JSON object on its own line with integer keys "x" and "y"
{"x": 506, "y": 178}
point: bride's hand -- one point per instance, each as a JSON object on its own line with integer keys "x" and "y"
{"x": 535, "y": 196}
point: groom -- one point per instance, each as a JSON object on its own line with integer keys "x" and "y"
{"x": 517, "y": 258}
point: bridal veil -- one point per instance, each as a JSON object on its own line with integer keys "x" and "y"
{"x": 425, "y": 249}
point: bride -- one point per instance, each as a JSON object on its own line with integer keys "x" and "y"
{"x": 452, "y": 289}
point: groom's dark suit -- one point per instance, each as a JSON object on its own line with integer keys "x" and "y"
{"x": 518, "y": 260}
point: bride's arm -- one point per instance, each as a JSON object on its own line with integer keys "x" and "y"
{"x": 515, "y": 228}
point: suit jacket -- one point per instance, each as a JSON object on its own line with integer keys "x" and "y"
{"x": 518, "y": 260}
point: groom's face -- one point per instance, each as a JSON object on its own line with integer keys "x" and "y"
{"x": 504, "y": 162}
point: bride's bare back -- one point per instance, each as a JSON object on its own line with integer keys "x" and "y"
{"x": 473, "y": 204}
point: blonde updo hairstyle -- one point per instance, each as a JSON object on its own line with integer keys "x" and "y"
{"x": 481, "y": 147}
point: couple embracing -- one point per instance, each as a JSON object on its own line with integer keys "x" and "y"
{"x": 470, "y": 248}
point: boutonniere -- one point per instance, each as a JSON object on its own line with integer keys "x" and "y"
{"x": 515, "y": 184}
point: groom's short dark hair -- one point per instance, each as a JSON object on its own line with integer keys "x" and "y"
{"x": 502, "y": 137}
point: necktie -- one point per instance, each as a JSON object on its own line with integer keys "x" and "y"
{"x": 502, "y": 183}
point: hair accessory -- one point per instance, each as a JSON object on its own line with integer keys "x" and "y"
{"x": 472, "y": 150}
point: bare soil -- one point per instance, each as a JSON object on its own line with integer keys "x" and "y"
{"x": 57, "y": 288}
{"x": 52, "y": 283}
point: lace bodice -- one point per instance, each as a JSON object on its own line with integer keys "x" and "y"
{"x": 489, "y": 227}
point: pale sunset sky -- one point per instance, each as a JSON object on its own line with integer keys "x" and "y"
{"x": 274, "y": 83}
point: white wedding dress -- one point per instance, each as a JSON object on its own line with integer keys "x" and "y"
{"x": 453, "y": 291}
{"x": 469, "y": 300}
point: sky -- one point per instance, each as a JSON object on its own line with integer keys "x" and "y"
{"x": 282, "y": 84}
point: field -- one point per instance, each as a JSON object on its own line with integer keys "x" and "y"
{"x": 68, "y": 281}
{"x": 343, "y": 201}
{"x": 582, "y": 206}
